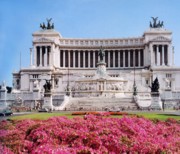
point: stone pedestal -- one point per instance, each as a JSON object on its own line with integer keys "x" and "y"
{"x": 101, "y": 68}
{"x": 36, "y": 90}
{"x": 48, "y": 101}
{"x": 36, "y": 94}
{"x": 156, "y": 102}
{"x": 3, "y": 95}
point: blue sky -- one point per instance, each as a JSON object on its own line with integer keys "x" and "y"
{"x": 79, "y": 19}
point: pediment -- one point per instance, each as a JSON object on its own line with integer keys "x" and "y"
{"x": 43, "y": 39}
{"x": 160, "y": 39}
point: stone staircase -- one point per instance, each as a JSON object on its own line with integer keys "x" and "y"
{"x": 63, "y": 104}
{"x": 100, "y": 103}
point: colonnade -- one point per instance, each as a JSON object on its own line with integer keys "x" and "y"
{"x": 161, "y": 55}
{"x": 124, "y": 58}
{"x": 42, "y": 56}
{"x": 113, "y": 58}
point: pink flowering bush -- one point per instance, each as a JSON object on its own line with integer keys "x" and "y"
{"x": 100, "y": 113}
{"x": 90, "y": 135}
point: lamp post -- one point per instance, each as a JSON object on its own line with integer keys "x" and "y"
{"x": 134, "y": 85}
{"x": 30, "y": 56}
{"x": 68, "y": 88}
{"x": 5, "y": 97}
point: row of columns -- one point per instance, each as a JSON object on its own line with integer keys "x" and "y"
{"x": 92, "y": 58}
{"x": 161, "y": 55}
{"x": 42, "y": 56}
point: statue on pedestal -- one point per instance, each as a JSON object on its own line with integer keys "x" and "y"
{"x": 47, "y": 96}
{"x": 101, "y": 54}
{"x": 47, "y": 86}
{"x": 155, "y": 86}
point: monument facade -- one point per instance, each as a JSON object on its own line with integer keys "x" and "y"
{"x": 100, "y": 67}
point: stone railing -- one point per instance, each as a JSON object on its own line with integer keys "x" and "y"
{"x": 23, "y": 96}
{"x": 103, "y": 42}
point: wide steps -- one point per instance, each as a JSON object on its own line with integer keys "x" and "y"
{"x": 98, "y": 103}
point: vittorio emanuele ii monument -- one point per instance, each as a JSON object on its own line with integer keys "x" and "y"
{"x": 96, "y": 74}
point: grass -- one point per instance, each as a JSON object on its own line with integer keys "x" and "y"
{"x": 44, "y": 116}
{"x": 40, "y": 116}
{"x": 160, "y": 116}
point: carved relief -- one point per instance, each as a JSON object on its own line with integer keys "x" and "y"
{"x": 160, "y": 38}
{"x": 36, "y": 84}
{"x": 168, "y": 83}
{"x": 43, "y": 39}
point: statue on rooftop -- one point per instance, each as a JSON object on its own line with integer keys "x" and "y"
{"x": 48, "y": 26}
{"x": 101, "y": 54}
{"x": 155, "y": 23}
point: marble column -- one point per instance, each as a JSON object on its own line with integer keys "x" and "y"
{"x": 146, "y": 58}
{"x": 134, "y": 64}
{"x": 155, "y": 54}
{"x": 158, "y": 55}
{"x": 114, "y": 59}
{"x": 50, "y": 56}
{"x": 162, "y": 54}
{"x": 60, "y": 57}
{"x": 35, "y": 55}
{"x": 124, "y": 54}
{"x": 79, "y": 59}
{"x": 84, "y": 59}
{"x": 69, "y": 59}
{"x": 94, "y": 65}
{"x": 119, "y": 58}
{"x": 64, "y": 58}
{"x": 152, "y": 55}
{"x": 45, "y": 57}
{"x": 139, "y": 58}
{"x": 89, "y": 59}
{"x": 169, "y": 54}
{"x": 109, "y": 65}
{"x": 40, "y": 56}
{"x": 74, "y": 63}
{"x": 129, "y": 58}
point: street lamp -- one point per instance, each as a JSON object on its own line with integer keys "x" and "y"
{"x": 68, "y": 87}
{"x": 134, "y": 85}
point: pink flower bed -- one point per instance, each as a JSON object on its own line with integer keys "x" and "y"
{"x": 90, "y": 135}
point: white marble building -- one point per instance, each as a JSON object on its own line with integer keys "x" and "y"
{"x": 69, "y": 61}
